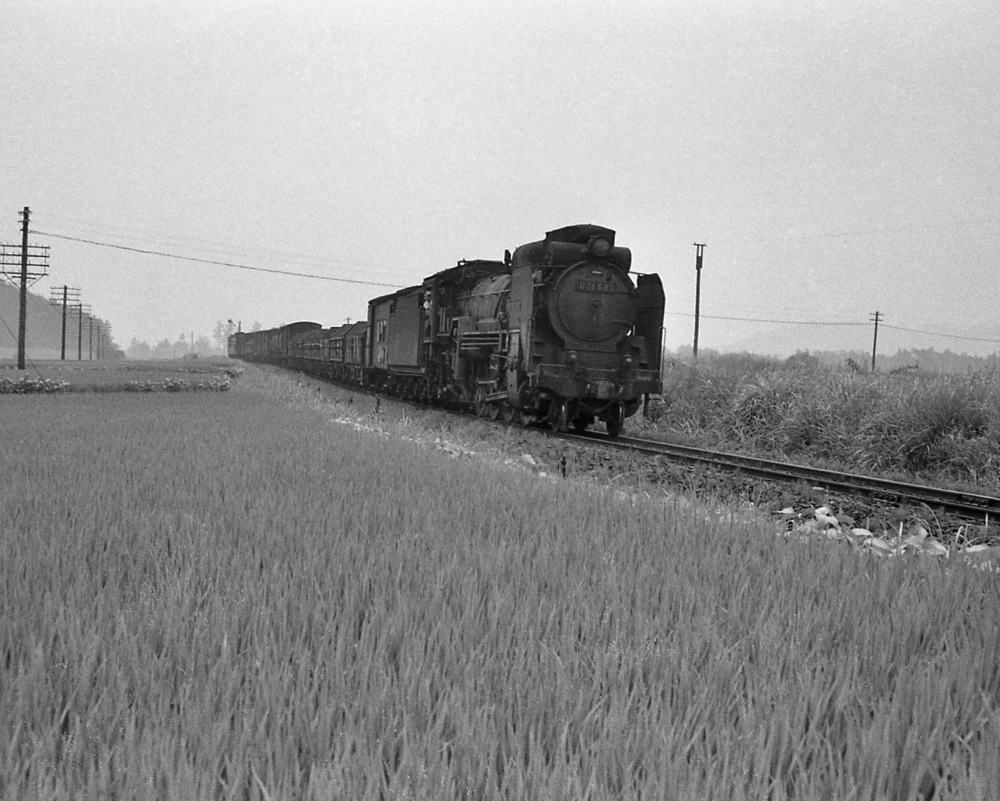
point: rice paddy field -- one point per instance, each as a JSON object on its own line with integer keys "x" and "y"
{"x": 232, "y": 595}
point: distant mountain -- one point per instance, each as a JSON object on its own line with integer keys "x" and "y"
{"x": 44, "y": 328}
{"x": 784, "y": 340}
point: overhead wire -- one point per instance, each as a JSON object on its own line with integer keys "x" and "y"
{"x": 937, "y": 334}
{"x": 762, "y": 320}
{"x": 292, "y": 273}
{"x": 216, "y": 262}
{"x": 845, "y": 234}
{"x": 882, "y": 324}
{"x": 214, "y": 246}
{"x": 14, "y": 337}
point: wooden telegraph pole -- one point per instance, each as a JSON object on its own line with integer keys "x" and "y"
{"x": 81, "y": 309}
{"x": 699, "y": 253}
{"x": 20, "y": 267}
{"x": 61, "y": 296}
{"x": 875, "y": 318}
{"x": 22, "y": 320}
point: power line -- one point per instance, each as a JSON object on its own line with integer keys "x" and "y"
{"x": 760, "y": 320}
{"x": 274, "y": 271}
{"x": 213, "y": 247}
{"x": 13, "y": 337}
{"x": 217, "y": 263}
{"x": 937, "y": 334}
{"x": 882, "y": 323}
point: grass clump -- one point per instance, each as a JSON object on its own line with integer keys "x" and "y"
{"x": 928, "y": 423}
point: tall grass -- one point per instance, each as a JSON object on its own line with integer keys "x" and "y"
{"x": 223, "y": 596}
{"x": 927, "y": 425}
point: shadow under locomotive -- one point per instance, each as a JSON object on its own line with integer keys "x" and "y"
{"x": 561, "y": 331}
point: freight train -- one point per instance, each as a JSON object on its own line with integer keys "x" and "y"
{"x": 560, "y": 332}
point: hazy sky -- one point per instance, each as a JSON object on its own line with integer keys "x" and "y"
{"x": 837, "y": 158}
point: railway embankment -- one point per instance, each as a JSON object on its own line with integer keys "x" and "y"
{"x": 877, "y": 526}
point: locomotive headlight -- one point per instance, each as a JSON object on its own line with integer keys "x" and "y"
{"x": 571, "y": 357}
{"x": 600, "y": 246}
{"x": 628, "y": 361}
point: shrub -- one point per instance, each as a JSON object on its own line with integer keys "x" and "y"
{"x": 915, "y": 423}
{"x": 27, "y": 385}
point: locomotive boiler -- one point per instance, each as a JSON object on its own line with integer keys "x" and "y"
{"x": 581, "y": 339}
{"x": 584, "y": 337}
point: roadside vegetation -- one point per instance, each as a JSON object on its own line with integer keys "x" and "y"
{"x": 937, "y": 427}
{"x": 229, "y": 596}
{"x": 118, "y": 376}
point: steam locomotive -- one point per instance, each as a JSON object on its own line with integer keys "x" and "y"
{"x": 558, "y": 332}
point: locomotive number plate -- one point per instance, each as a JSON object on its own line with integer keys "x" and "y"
{"x": 583, "y": 285}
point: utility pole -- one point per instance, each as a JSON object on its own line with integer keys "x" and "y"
{"x": 33, "y": 262}
{"x": 699, "y": 253}
{"x": 57, "y": 298}
{"x": 22, "y": 320}
{"x": 103, "y": 338}
{"x": 875, "y": 318}
{"x": 80, "y": 310}
{"x": 62, "y": 350}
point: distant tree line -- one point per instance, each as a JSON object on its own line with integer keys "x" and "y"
{"x": 911, "y": 360}
{"x": 184, "y": 346}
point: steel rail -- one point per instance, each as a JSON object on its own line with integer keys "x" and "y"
{"x": 955, "y": 502}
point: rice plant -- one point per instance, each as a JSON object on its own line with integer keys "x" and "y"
{"x": 229, "y": 596}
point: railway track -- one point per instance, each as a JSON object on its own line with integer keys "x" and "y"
{"x": 966, "y": 505}
{"x": 953, "y": 502}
